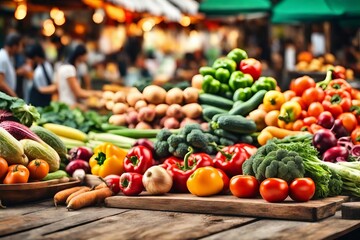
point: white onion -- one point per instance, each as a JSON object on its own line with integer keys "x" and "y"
{"x": 157, "y": 180}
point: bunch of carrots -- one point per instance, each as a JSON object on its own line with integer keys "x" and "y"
{"x": 82, "y": 196}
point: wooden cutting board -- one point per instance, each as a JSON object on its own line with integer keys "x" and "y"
{"x": 350, "y": 210}
{"x": 229, "y": 205}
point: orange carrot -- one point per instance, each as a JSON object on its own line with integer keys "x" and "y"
{"x": 89, "y": 198}
{"x": 74, "y": 194}
{"x": 61, "y": 196}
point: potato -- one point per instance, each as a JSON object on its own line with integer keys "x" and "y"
{"x": 132, "y": 117}
{"x": 258, "y": 116}
{"x": 143, "y": 125}
{"x": 133, "y": 97}
{"x": 191, "y": 95}
{"x": 161, "y": 109}
{"x": 154, "y": 94}
{"x": 140, "y": 104}
{"x": 152, "y": 106}
{"x": 119, "y": 108}
{"x": 197, "y": 81}
{"x": 119, "y": 97}
{"x": 146, "y": 114}
{"x": 175, "y": 111}
{"x": 174, "y": 96}
{"x": 108, "y": 95}
{"x": 171, "y": 123}
{"x": 118, "y": 120}
{"x": 109, "y": 105}
{"x": 192, "y": 110}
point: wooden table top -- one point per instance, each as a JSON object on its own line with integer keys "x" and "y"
{"x": 42, "y": 220}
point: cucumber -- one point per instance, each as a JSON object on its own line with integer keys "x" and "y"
{"x": 237, "y": 138}
{"x": 216, "y": 117}
{"x": 51, "y": 139}
{"x": 245, "y": 108}
{"x": 237, "y": 124}
{"x": 55, "y": 175}
{"x": 215, "y": 101}
{"x": 210, "y": 111}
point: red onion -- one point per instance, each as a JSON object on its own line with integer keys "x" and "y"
{"x": 336, "y": 154}
{"x": 77, "y": 164}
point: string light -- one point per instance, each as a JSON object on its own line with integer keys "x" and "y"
{"x": 98, "y": 16}
{"x": 21, "y": 11}
{"x": 185, "y": 21}
{"x": 48, "y": 28}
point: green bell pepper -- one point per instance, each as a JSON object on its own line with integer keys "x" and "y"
{"x": 237, "y": 55}
{"x": 222, "y": 74}
{"x": 210, "y": 84}
{"x": 225, "y": 91}
{"x": 224, "y": 62}
{"x": 206, "y": 70}
{"x": 242, "y": 94}
{"x": 240, "y": 80}
{"x": 269, "y": 80}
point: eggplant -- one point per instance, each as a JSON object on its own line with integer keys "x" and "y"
{"x": 338, "y": 129}
{"x": 336, "y": 154}
{"x": 324, "y": 139}
{"x": 77, "y": 164}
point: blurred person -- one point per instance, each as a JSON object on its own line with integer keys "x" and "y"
{"x": 69, "y": 88}
{"x": 8, "y": 80}
{"x": 167, "y": 67}
{"x": 43, "y": 86}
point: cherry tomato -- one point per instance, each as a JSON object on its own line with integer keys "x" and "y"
{"x": 310, "y": 120}
{"x": 3, "y": 168}
{"x": 300, "y": 84}
{"x": 243, "y": 186}
{"x": 17, "y": 174}
{"x": 300, "y": 101}
{"x": 348, "y": 120}
{"x": 289, "y": 94}
{"x": 315, "y": 109}
{"x": 225, "y": 179}
{"x": 298, "y": 125}
{"x": 314, "y": 94}
{"x": 302, "y": 189}
{"x": 38, "y": 169}
{"x": 274, "y": 190}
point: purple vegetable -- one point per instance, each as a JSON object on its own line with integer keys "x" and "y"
{"x": 77, "y": 164}
{"x": 338, "y": 129}
{"x": 6, "y": 116}
{"x": 336, "y": 154}
{"x": 355, "y": 151}
{"x": 324, "y": 139}
{"x": 83, "y": 153}
{"x": 19, "y": 131}
{"x": 145, "y": 142}
{"x": 326, "y": 120}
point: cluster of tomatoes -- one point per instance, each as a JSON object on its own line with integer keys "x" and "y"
{"x": 37, "y": 169}
{"x": 272, "y": 189}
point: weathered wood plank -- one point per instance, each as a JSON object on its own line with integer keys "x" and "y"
{"x": 68, "y": 221}
{"x": 24, "y": 209}
{"x": 351, "y": 210}
{"x": 230, "y": 205}
{"x": 329, "y": 228}
{"x": 139, "y": 224}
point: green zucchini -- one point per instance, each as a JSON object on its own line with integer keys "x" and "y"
{"x": 210, "y": 111}
{"x": 216, "y": 117}
{"x": 216, "y": 101}
{"x": 245, "y": 108}
{"x": 235, "y": 137}
{"x": 237, "y": 124}
{"x": 55, "y": 175}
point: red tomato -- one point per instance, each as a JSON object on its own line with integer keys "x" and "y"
{"x": 348, "y": 120}
{"x": 302, "y": 189}
{"x": 289, "y": 95}
{"x": 225, "y": 179}
{"x": 38, "y": 169}
{"x": 274, "y": 190}
{"x": 310, "y": 120}
{"x": 298, "y": 125}
{"x": 314, "y": 94}
{"x": 244, "y": 186}
{"x": 300, "y": 101}
{"x": 315, "y": 109}
{"x": 3, "y": 168}
{"x": 300, "y": 84}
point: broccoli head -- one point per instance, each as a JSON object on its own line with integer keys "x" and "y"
{"x": 161, "y": 149}
{"x": 189, "y": 127}
{"x": 163, "y": 134}
{"x": 197, "y": 138}
{"x": 181, "y": 150}
{"x": 226, "y": 142}
{"x": 175, "y": 139}
{"x": 212, "y": 138}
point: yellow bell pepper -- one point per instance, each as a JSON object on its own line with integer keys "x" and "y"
{"x": 107, "y": 159}
{"x": 273, "y": 100}
{"x": 205, "y": 181}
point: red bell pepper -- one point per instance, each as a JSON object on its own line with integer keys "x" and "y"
{"x": 230, "y": 159}
{"x": 339, "y": 72}
{"x": 226, "y": 181}
{"x": 337, "y": 102}
{"x": 251, "y": 66}
{"x": 131, "y": 183}
{"x": 138, "y": 160}
{"x": 181, "y": 171}
{"x": 250, "y": 149}
{"x": 338, "y": 85}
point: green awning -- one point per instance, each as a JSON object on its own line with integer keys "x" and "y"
{"x": 291, "y": 11}
{"x": 234, "y": 7}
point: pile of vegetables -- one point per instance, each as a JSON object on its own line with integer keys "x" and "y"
{"x": 154, "y": 107}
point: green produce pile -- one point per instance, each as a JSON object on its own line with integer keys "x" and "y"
{"x": 61, "y": 113}
{"x": 287, "y": 158}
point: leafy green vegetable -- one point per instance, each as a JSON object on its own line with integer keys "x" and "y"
{"x": 24, "y": 113}
{"x": 61, "y": 113}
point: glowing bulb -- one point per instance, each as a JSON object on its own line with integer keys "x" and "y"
{"x": 48, "y": 28}
{"x": 54, "y": 12}
{"x": 59, "y": 21}
{"x": 65, "y": 40}
{"x": 21, "y": 11}
{"x": 98, "y": 16}
{"x": 185, "y": 21}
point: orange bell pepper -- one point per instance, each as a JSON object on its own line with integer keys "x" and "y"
{"x": 205, "y": 181}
